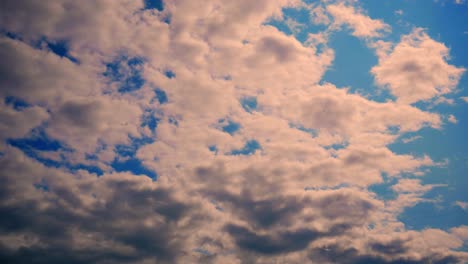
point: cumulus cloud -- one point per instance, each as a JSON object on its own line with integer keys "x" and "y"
{"x": 417, "y": 69}
{"x": 174, "y": 132}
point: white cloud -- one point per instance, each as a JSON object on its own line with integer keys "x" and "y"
{"x": 461, "y": 232}
{"x": 411, "y": 139}
{"x": 362, "y": 25}
{"x": 452, "y": 119}
{"x": 417, "y": 69}
{"x": 462, "y": 205}
{"x": 318, "y": 15}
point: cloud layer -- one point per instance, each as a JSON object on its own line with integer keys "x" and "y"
{"x": 174, "y": 132}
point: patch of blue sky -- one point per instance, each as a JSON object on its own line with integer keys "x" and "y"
{"x": 58, "y": 47}
{"x": 134, "y": 166}
{"x": 150, "y": 120}
{"x": 231, "y": 127}
{"x": 170, "y": 74}
{"x": 249, "y": 103}
{"x": 393, "y": 130}
{"x": 429, "y": 215}
{"x": 352, "y": 65}
{"x": 448, "y": 143}
{"x": 89, "y": 168}
{"x": 127, "y": 72}
{"x": 249, "y": 148}
{"x": 415, "y": 14}
{"x": 10, "y": 34}
{"x": 312, "y": 132}
{"x": 132, "y": 83}
{"x": 384, "y": 190}
{"x": 154, "y": 4}
{"x": 127, "y": 160}
{"x": 38, "y": 141}
{"x": 167, "y": 18}
{"x": 161, "y": 96}
{"x": 213, "y": 148}
{"x": 17, "y": 103}
{"x": 61, "y": 49}
{"x": 131, "y": 149}
{"x": 444, "y": 213}
{"x": 113, "y": 71}
{"x": 337, "y": 146}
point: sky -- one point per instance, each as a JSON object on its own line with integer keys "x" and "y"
{"x": 268, "y": 131}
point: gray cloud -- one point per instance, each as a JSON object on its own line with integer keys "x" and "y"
{"x": 338, "y": 254}
{"x": 61, "y": 215}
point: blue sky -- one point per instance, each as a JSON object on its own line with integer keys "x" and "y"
{"x": 242, "y": 131}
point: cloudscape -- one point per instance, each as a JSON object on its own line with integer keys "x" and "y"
{"x": 233, "y": 131}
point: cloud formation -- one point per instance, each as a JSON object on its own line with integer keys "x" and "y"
{"x": 417, "y": 69}
{"x": 174, "y": 132}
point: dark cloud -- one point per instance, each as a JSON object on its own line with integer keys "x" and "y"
{"x": 392, "y": 248}
{"x": 62, "y": 254}
{"x": 338, "y": 205}
{"x": 261, "y": 213}
{"x": 279, "y": 48}
{"x": 338, "y": 254}
{"x": 280, "y": 242}
{"x": 283, "y": 242}
{"x": 80, "y": 114}
{"x": 59, "y": 216}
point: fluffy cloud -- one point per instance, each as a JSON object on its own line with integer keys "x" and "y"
{"x": 417, "y": 69}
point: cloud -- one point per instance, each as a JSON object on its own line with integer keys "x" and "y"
{"x": 452, "y": 119}
{"x": 461, "y": 232}
{"x": 116, "y": 217}
{"x": 417, "y": 69}
{"x": 318, "y": 15}
{"x": 17, "y": 123}
{"x": 462, "y": 205}
{"x": 362, "y": 25}
{"x": 411, "y": 139}
{"x": 257, "y": 158}
{"x": 399, "y": 12}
